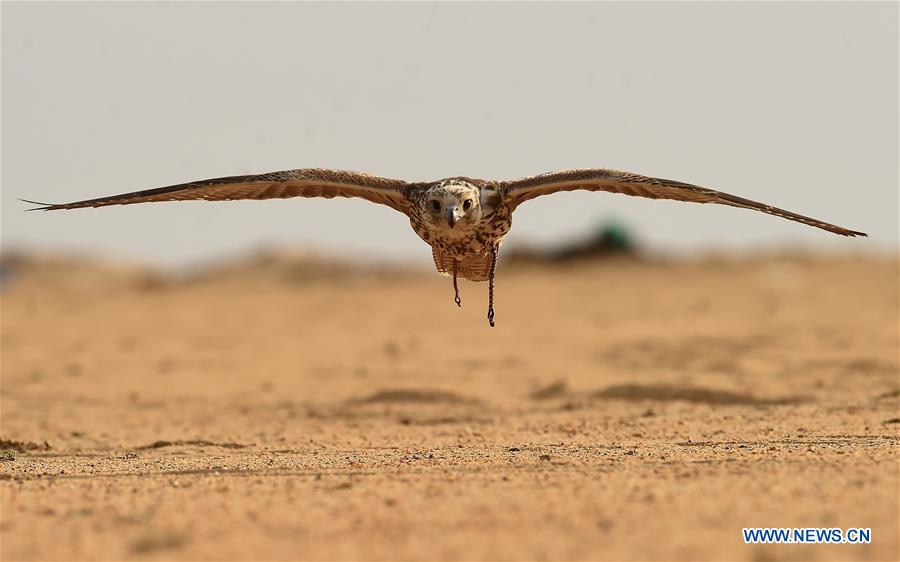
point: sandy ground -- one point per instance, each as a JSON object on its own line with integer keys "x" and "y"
{"x": 619, "y": 410}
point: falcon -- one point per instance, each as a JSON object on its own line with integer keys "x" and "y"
{"x": 463, "y": 219}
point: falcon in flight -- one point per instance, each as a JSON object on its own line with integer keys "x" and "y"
{"x": 462, "y": 219}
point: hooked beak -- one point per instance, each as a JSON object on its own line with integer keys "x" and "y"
{"x": 451, "y": 216}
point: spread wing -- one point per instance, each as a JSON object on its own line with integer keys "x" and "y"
{"x": 274, "y": 185}
{"x": 614, "y": 181}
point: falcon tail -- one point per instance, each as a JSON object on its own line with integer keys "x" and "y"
{"x": 477, "y": 268}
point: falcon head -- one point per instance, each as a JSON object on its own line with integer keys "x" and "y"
{"x": 454, "y": 204}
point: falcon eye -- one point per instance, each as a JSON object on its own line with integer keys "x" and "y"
{"x": 467, "y": 204}
{"x": 435, "y": 205}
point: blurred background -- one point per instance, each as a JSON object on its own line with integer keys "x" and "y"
{"x": 793, "y": 105}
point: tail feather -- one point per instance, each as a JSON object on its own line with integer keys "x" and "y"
{"x": 477, "y": 268}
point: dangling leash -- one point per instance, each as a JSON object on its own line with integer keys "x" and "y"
{"x": 490, "y": 315}
{"x": 455, "y": 287}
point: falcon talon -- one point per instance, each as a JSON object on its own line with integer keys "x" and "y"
{"x": 463, "y": 219}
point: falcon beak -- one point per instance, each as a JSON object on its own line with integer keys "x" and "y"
{"x": 451, "y": 216}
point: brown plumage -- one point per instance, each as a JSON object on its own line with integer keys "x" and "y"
{"x": 463, "y": 219}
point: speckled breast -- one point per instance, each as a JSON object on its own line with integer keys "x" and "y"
{"x": 462, "y": 243}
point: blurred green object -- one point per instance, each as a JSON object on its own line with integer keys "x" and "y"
{"x": 609, "y": 238}
{"x": 613, "y": 236}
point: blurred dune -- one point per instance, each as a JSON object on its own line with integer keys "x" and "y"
{"x": 54, "y": 271}
{"x": 270, "y": 266}
{"x": 610, "y": 243}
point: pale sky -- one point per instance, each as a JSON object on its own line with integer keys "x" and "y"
{"x": 794, "y": 105}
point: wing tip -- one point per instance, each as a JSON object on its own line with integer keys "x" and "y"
{"x": 42, "y": 207}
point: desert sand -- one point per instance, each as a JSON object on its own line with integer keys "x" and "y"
{"x": 621, "y": 409}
